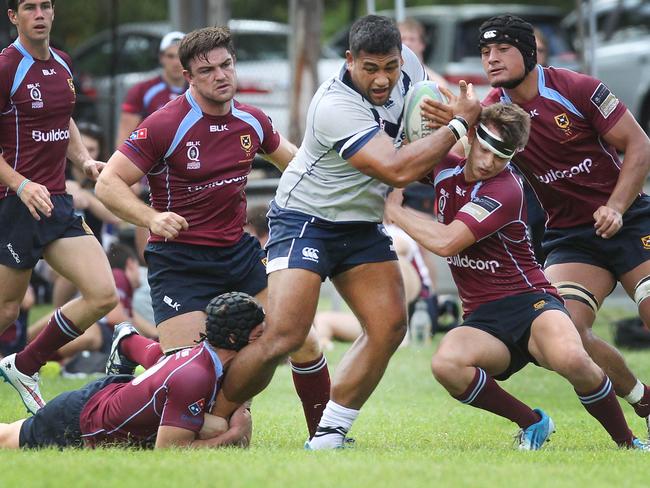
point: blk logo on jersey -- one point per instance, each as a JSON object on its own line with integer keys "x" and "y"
{"x": 35, "y": 94}
{"x": 138, "y": 134}
{"x": 646, "y": 242}
{"x": 193, "y": 154}
{"x": 197, "y": 407}
{"x": 48, "y": 72}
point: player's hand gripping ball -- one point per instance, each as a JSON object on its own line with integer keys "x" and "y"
{"x": 415, "y": 125}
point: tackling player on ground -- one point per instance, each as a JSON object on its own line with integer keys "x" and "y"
{"x": 122, "y": 410}
{"x": 512, "y": 314}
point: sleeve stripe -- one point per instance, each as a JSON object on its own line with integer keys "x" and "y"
{"x": 349, "y": 147}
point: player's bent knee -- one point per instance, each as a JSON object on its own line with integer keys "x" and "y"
{"x": 444, "y": 369}
{"x": 103, "y": 301}
{"x": 575, "y": 363}
{"x": 642, "y": 290}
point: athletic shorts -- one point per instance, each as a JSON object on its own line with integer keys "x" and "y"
{"x": 623, "y": 252}
{"x": 185, "y": 277}
{"x": 24, "y": 238}
{"x": 509, "y": 320}
{"x": 57, "y": 423}
{"x": 298, "y": 240}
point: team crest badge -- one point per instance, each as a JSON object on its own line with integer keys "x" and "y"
{"x": 539, "y": 305}
{"x": 71, "y": 85}
{"x": 265, "y": 261}
{"x": 246, "y": 142}
{"x": 138, "y": 134}
{"x": 562, "y": 121}
{"x": 197, "y": 407}
{"x": 646, "y": 242}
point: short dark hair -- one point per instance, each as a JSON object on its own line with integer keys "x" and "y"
{"x": 230, "y": 319}
{"x": 13, "y": 4}
{"x": 118, "y": 255}
{"x": 374, "y": 34}
{"x": 198, "y": 43}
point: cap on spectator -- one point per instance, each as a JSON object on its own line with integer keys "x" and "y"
{"x": 171, "y": 38}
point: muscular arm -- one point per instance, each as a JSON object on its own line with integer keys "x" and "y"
{"x": 443, "y": 240}
{"x": 398, "y": 167}
{"x": 283, "y": 155}
{"x": 627, "y": 137}
{"x": 238, "y": 434}
{"x": 113, "y": 189}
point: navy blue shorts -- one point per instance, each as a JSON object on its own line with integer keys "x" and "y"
{"x": 623, "y": 252}
{"x": 57, "y": 423}
{"x": 298, "y": 240}
{"x": 185, "y": 277}
{"x": 509, "y": 320}
{"x": 24, "y": 238}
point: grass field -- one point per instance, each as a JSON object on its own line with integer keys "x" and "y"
{"x": 410, "y": 433}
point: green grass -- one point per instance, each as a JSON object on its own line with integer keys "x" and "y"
{"x": 410, "y": 433}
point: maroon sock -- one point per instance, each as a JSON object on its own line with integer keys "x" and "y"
{"x": 483, "y": 392}
{"x": 603, "y": 405}
{"x": 642, "y": 407}
{"x": 58, "y": 332}
{"x": 141, "y": 350}
{"x": 312, "y": 382}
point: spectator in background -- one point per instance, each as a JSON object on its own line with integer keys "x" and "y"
{"x": 413, "y": 36}
{"x": 148, "y": 96}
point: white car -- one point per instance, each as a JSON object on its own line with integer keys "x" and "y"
{"x": 623, "y": 52}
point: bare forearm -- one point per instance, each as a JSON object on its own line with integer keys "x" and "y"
{"x": 77, "y": 152}
{"x": 631, "y": 178}
{"x": 424, "y": 230}
{"x": 121, "y": 201}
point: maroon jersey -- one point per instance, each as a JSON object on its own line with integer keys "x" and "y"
{"x": 501, "y": 262}
{"x": 197, "y": 165}
{"x": 36, "y": 102}
{"x": 571, "y": 168}
{"x": 148, "y": 96}
{"x": 175, "y": 392}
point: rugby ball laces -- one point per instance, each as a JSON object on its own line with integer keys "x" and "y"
{"x": 415, "y": 125}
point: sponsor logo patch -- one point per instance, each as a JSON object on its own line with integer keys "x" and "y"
{"x": 138, "y": 134}
{"x": 481, "y": 208}
{"x": 604, "y": 100}
{"x": 539, "y": 305}
{"x": 310, "y": 254}
{"x": 193, "y": 154}
{"x": 197, "y": 407}
{"x": 646, "y": 242}
{"x": 490, "y": 34}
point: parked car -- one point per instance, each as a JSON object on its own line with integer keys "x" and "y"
{"x": 622, "y": 51}
{"x": 262, "y": 67}
{"x": 452, "y": 37}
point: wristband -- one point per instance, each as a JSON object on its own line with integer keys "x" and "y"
{"x": 22, "y": 186}
{"x": 458, "y": 127}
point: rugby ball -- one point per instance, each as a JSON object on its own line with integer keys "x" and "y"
{"x": 415, "y": 125}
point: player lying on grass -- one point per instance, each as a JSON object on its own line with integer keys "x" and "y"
{"x": 513, "y": 316}
{"x": 164, "y": 407}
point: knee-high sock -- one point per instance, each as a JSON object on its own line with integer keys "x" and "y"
{"x": 484, "y": 393}
{"x": 603, "y": 405}
{"x": 312, "y": 382}
{"x": 58, "y": 332}
{"x": 141, "y": 350}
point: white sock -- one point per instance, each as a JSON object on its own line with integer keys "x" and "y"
{"x": 636, "y": 394}
{"x": 336, "y": 417}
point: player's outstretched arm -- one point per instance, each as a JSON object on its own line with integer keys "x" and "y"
{"x": 398, "y": 167}
{"x": 443, "y": 240}
{"x": 114, "y": 190}
{"x": 627, "y": 137}
{"x": 78, "y": 154}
